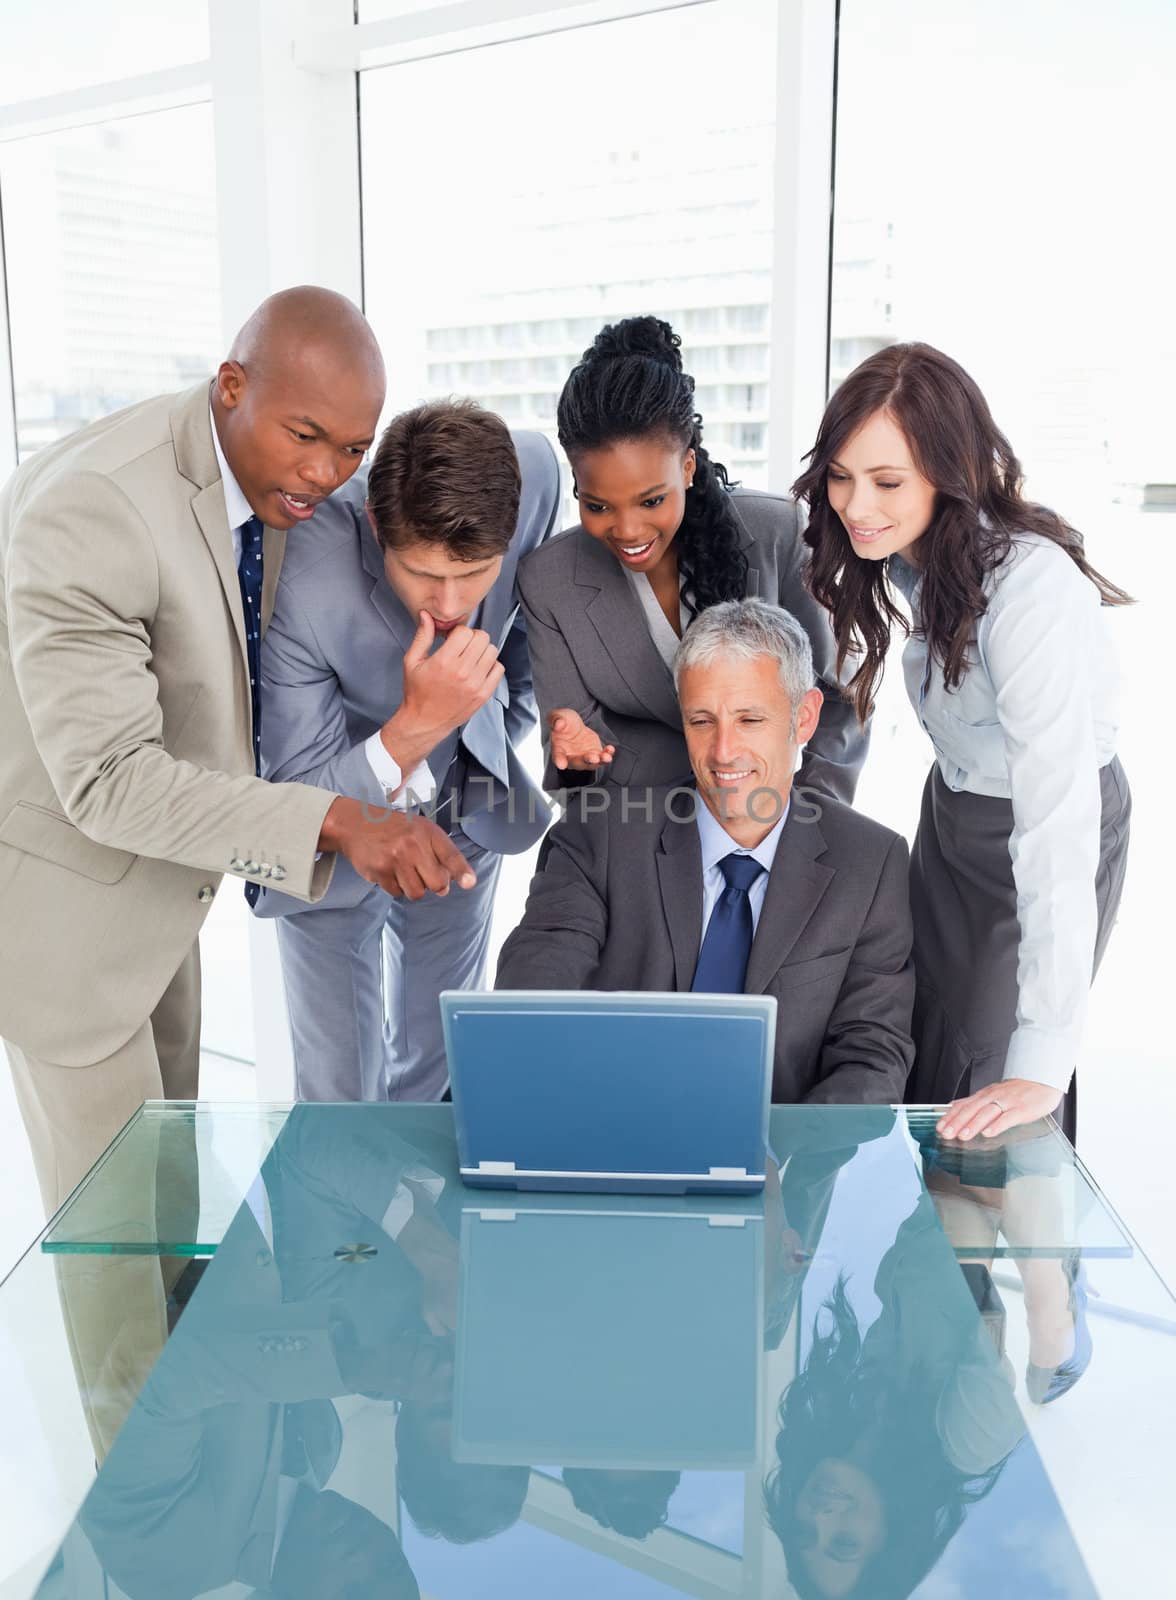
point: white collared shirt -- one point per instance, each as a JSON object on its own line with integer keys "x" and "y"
{"x": 237, "y": 508}
{"x": 665, "y": 640}
{"x": 716, "y": 843}
{"x": 1033, "y": 721}
{"x": 386, "y": 769}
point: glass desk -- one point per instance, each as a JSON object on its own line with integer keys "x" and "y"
{"x": 906, "y": 1369}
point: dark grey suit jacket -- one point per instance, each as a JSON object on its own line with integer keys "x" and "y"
{"x": 591, "y": 651}
{"x": 619, "y": 906}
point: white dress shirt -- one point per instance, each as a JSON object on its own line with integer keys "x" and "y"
{"x": 237, "y": 508}
{"x": 1033, "y": 721}
{"x": 387, "y": 771}
{"x": 665, "y": 640}
{"x": 716, "y": 843}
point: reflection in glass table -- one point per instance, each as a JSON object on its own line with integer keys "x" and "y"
{"x": 905, "y": 1369}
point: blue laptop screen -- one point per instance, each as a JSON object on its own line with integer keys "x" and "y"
{"x": 642, "y": 1091}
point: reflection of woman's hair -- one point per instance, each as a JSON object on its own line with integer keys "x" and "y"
{"x": 839, "y": 1407}
{"x": 630, "y": 384}
{"x": 632, "y": 1503}
{"x": 447, "y": 1499}
{"x": 961, "y": 452}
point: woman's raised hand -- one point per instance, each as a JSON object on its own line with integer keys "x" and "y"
{"x": 574, "y": 746}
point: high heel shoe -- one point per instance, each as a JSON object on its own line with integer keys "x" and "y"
{"x": 1046, "y": 1384}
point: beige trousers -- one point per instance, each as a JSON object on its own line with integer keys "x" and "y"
{"x": 71, "y": 1114}
{"x": 113, "y": 1306}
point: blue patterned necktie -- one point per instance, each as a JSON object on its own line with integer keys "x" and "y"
{"x": 249, "y": 573}
{"x": 726, "y": 946}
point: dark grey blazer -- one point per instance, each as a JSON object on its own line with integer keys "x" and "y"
{"x": 591, "y": 651}
{"x": 619, "y": 906}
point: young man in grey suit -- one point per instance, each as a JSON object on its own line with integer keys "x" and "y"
{"x": 733, "y": 884}
{"x": 395, "y": 668}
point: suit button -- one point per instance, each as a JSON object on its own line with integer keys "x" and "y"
{"x": 205, "y": 894}
{"x": 277, "y": 874}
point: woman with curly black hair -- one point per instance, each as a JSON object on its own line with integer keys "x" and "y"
{"x": 890, "y": 1433}
{"x": 1018, "y": 863}
{"x": 663, "y": 534}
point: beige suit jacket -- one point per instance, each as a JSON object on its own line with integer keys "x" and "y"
{"x": 126, "y": 757}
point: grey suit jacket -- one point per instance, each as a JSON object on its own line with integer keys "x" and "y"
{"x": 332, "y": 673}
{"x": 619, "y": 906}
{"x": 591, "y": 651}
{"x": 127, "y": 785}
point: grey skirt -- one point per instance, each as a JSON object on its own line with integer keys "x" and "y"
{"x": 964, "y": 906}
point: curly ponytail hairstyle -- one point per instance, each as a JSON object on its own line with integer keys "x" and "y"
{"x": 630, "y": 385}
{"x": 979, "y": 510}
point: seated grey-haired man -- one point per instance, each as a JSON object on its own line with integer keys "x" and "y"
{"x": 736, "y": 883}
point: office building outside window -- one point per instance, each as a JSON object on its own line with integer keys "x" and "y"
{"x": 112, "y": 267}
{"x": 547, "y": 207}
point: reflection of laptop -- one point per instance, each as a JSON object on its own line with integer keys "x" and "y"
{"x": 610, "y": 1331}
{"x": 630, "y": 1093}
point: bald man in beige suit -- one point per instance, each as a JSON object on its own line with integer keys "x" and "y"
{"x": 127, "y": 784}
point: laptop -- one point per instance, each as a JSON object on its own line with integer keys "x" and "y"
{"x": 624, "y": 1093}
{"x": 613, "y": 1331}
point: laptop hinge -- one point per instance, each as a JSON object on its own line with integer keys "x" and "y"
{"x": 496, "y": 1169}
{"x": 728, "y": 1172}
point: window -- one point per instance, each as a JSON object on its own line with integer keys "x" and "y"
{"x": 540, "y": 241}
{"x": 701, "y": 319}
{"x": 1034, "y": 244}
{"x": 1032, "y": 248}
{"x": 748, "y": 319}
{"x": 113, "y": 274}
{"x": 701, "y": 358}
{"x": 51, "y": 46}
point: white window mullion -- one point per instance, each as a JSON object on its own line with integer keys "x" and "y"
{"x": 105, "y": 102}
{"x": 287, "y": 151}
{"x": 287, "y": 155}
{"x": 806, "y": 49}
{"x": 428, "y": 30}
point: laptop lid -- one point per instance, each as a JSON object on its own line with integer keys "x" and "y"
{"x": 610, "y": 1332}
{"x": 651, "y": 1088}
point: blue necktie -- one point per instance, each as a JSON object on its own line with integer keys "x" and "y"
{"x": 726, "y": 946}
{"x": 249, "y": 574}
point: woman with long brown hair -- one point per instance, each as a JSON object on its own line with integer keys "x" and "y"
{"x": 1017, "y": 866}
